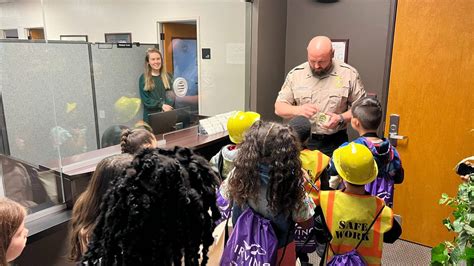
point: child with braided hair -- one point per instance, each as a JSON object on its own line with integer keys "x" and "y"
{"x": 160, "y": 212}
{"x": 133, "y": 140}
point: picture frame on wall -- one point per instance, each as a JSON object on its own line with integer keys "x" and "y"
{"x": 341, "y": 49}
{"x": 75, "y": 38}
{"x": 118, "y": 37}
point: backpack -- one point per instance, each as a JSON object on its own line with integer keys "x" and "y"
{"x": 305, "y": 239}
{"x": 224, "y": 207}
{"x": 352, "y": 257}
{"x": 390, "y": 172}
{"x": 252, "y": 242}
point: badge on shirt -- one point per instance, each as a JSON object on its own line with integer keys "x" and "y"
{"x": 338, "y": 82}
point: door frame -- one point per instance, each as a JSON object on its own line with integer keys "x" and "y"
{"x": 159, "y": 28}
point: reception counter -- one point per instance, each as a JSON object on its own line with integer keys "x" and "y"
{"x": 47, "y": 242}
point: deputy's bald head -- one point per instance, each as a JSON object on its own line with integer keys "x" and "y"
{"x": 320, "y": 53}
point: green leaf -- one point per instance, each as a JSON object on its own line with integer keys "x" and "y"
{"x": 462, "y": 238}
{"x": 439, "y": 254}
{"x": 448, "y": 224}
{"x": 444, "y": 198}
{"x": 457, "y": 214}
{"x": 458, "y": 226}
{"x": 469, "y": 253}
{"x": 456, "y": 255}
{"x": 469, "y": 229}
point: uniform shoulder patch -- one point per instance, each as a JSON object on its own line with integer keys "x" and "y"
{"x": 344, "y": 65}
{"x": 299, "y": 67}
{"x": 348, "y": 67}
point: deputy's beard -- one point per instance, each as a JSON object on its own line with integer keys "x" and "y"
{"x": 322, "y": 72}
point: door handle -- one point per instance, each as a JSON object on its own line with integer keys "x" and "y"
{"x": 397, "y": 137}
{"x": 393, "y": 136}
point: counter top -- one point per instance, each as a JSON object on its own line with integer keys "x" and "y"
{"x": 86, "y": 162}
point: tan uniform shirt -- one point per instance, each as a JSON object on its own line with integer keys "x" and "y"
{"x": 334, "y": 92}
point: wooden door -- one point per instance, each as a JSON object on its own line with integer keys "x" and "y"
{"x": 172, "y": 31}
{"x": 36, "y": 34}
{"x": 431, "y": 88}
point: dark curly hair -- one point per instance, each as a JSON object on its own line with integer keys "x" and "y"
{"x": 158, "y": 213}
{"x": 133, "y": 140}
{"x": 273, "y": 145}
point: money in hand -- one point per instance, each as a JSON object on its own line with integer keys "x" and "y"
{"x": 321, "y": 118}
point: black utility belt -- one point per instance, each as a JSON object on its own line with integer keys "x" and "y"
{"x": 338, "y": 134}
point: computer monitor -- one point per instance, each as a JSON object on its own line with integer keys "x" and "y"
{"x": 164, "y": 122}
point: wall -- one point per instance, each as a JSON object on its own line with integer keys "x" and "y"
{"x": 221, "y": 23}
{"x": 367, "y": 25}
{"x": 268, "y": 49}
{"x": 21, "y": 15}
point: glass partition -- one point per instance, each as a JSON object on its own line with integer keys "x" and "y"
{"x": 69, "y": 78}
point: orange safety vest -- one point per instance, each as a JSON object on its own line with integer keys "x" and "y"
{"x": 348, "y": 216}
{"x": 314, "y": 162}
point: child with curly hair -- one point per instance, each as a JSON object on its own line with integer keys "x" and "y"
{"x": 268, "y": 178}
{"x": 86, "y": 209}
{"x": 12, "y": 230}
{"x": 161, "y": 212}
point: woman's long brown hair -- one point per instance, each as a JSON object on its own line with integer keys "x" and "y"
{"x": 149, "y": 83}
{"x": 275, "y": 146}
{"x": 12, "y": 215}
{"x": 87, "y": 206}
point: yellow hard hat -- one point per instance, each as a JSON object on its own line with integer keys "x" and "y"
{"x": 355, "y": 164}
{"x": 126, "y": 108}
{"x": 70, "y": 107}
{"x": 238, "y": 124}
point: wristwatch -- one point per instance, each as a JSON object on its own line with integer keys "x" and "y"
{"x": 341, "y": 120}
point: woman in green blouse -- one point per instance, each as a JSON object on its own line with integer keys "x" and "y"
{"x": 155, "y": 85}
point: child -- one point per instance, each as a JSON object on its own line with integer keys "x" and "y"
{"x": 349, "y": 213}
{"x": 237, "y": 125}
{"x": 86, "y": 208}
{"x": 13, "y": 233}
{"x": 268, "y": 178}
{"x": 160, "y": 212}
{"x": 134, "y": 140}
{"x": 314, "y": 162}
{"x": 366, "y": 118}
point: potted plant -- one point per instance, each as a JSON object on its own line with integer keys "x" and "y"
{"x": 461, "y": 249}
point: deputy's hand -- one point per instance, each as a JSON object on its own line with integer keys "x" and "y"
{"x": 333, "y": 121}
{"x": 166, "y": 108}
{"x": 307, "y": 110}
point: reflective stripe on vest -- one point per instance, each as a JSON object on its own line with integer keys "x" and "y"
{"x": 348, "y": 216}
{"x": 314, "y": 162}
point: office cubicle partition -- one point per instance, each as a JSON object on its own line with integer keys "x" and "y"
{"x": 58, "y": 98}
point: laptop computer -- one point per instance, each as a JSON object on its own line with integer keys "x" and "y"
{"x": 164, "y": 122}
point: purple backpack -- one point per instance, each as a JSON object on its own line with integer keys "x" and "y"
{"x": 223, "y": 206}
{"x": 305, "y": 239}
{"x": 252, "y": 242}
{"x": 352, "y": 258}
